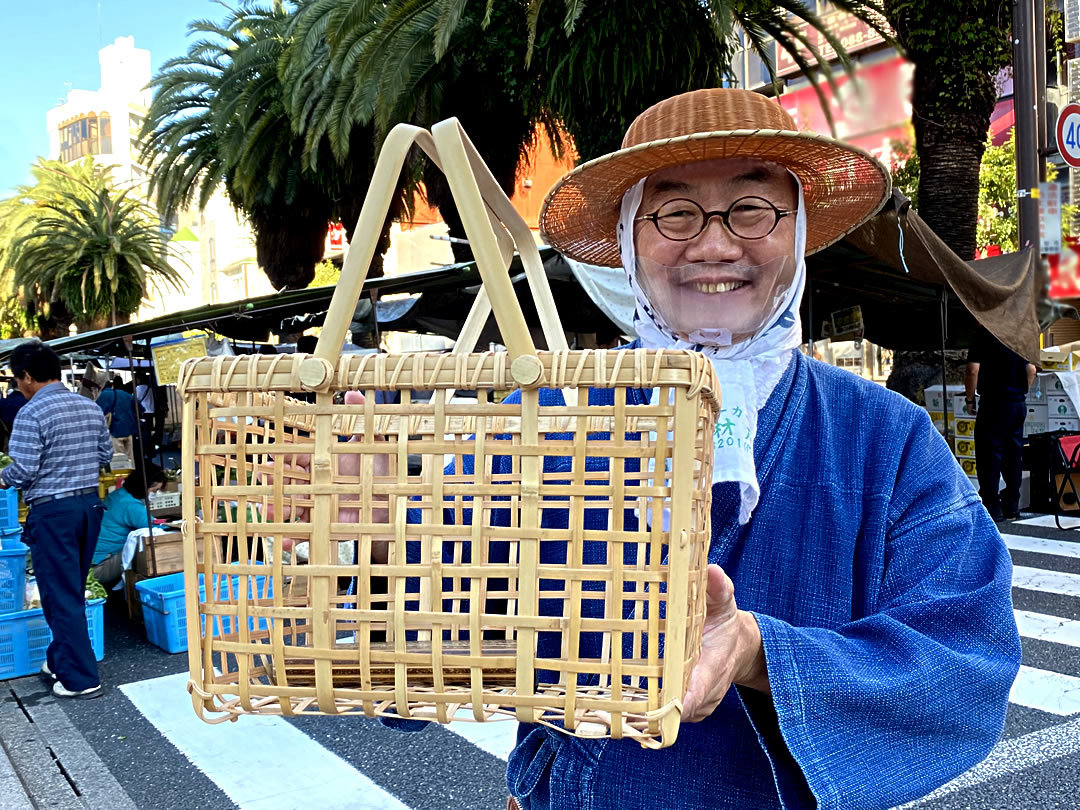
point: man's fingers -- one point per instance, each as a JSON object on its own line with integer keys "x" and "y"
{"x": 354, "y": 398}
{"x": 719, "y": 589}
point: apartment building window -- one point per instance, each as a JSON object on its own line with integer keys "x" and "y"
{"x": 89, "y": 134}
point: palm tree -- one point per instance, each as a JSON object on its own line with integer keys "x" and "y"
{"x": 93, "y": 250}
{"x": 353, "y": 72}
{"x": 218, "y": 118}
{"x": 958, "y": 50}
{"x": 580, "y": 68}
{"x": 593, "y": 66}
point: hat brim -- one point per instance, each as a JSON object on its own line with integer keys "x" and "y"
{"x": 843, "y": 186}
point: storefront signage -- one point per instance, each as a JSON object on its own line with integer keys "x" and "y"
{"x": 1049, "y": 218}
{"x": 854, "y": 35}
{"x": 168, "y": 357}
{"x": 1072, "y": 20}
{"x": 847, "y": 323}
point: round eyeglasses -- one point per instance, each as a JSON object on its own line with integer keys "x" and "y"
{"x": 681, "y": 220}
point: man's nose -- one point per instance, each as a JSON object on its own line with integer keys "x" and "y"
{"x": 715, "y": 244}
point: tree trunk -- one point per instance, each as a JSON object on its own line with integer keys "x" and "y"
{"x": 950, "y": 139}
{"x": 288, "y": 245}
{"x": 950, "y": 144}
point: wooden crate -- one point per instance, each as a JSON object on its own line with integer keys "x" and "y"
{"x": 161, "y": 554}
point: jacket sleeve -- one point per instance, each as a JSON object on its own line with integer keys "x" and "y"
{"x": 890, "y": 706}
{"x": 25, "y": 448}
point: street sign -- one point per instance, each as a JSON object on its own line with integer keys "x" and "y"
{"x": 1068, "y": 134}
{"x": 1049, "y": 218}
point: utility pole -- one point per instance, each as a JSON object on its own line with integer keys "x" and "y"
{"x": 1024, "y": 108}
{"x": 1042, "y": 125}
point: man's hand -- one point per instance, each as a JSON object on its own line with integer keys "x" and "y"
{"x": 349, "y": 465}
{"x": 731, "y": 651}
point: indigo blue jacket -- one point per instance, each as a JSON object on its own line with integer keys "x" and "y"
{"x": 882, "y": 590}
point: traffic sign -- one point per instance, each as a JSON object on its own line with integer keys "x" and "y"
{"x": 1068, "y": 134}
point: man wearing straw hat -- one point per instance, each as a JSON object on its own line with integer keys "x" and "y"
{"x": 860, "y": 643}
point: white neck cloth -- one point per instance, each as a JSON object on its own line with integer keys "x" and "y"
{"x": 747, "y": 371}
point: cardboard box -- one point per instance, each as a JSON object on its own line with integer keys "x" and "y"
{"x": 1057, "y": 361}
{"x": 968, "y": 466}
{"x": 1037, "y": 420}
{"x": 934, "y": 399}
{"x": 1061, "y": 407}
{"x": 960, "y": 406}
{"x": 965, "y": 448}
{"x": 964, "y": 427}
{"x": 938, "y": 418}
{"x": 1072, "y": 425}
{"x": 1046, "y": 383}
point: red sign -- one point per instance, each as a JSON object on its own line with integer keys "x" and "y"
{"x": 871, "y": 112}
{"x": 853, "y": 33}
{"x": 1068, "y": 134}
{"x": 1065, "y": 270}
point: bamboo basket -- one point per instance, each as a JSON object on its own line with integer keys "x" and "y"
{"x": 517, "y": 580}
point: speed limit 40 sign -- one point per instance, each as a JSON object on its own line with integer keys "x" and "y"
{"x": 1068, "y": 134}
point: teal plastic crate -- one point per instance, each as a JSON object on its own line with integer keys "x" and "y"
{"x": 12, "y": 570}
{"x": 25, "y": 638}
{"x": 165, "y": 613}
{"x": 9, "y": 509}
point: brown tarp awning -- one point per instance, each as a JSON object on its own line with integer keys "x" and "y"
{"x": 902, "y": 307}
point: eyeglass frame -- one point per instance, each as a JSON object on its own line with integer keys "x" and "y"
{"x": 724, "y": 215}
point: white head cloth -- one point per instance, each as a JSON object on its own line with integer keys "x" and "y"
{"x": 747, "y": 371}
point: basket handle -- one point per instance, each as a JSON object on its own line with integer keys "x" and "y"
{"x": 493, "y": 227}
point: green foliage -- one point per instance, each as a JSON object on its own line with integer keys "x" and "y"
{"x": 75, "y": 241}
{"x": 906, "y": 171}
{"x": 218, "y": 118}
{"x": 326, "y": 274}
{"x": 997, "y": 223}
{"x": 961, "y": 44}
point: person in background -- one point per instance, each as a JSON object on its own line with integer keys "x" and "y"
{"x": 1001, "y": 377}
{"x": 9, "y": 408}
{"x": 58, "y": 446}
{"x": 119, "y": 409}
{"x": 144, "y": 398}
{"x": 125, "y": 511}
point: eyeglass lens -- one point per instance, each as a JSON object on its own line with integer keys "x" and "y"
{"x": 747, "y": 218}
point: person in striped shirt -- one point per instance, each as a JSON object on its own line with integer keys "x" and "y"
{"x": 59, "y": 443}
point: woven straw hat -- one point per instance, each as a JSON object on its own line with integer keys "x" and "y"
{"x": 843, "y": 186}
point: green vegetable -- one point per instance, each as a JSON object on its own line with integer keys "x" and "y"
{"x": 94, "y": 589}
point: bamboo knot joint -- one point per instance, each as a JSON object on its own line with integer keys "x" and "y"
{"x": 315, "y": 373}
{"x": 527, "y": 370}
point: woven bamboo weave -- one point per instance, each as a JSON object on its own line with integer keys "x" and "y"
{"x": 542, "y": 559}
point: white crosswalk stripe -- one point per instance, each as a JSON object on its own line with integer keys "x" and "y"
{"x": 235, "y": 755}
{"x": 1040, "y": 579}
{"x": 1041, "y": 545}
{"x": 1046, "y": 691}
{"x": 1048, "y": 628}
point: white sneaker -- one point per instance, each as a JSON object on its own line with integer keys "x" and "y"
{"x": 93, "y": 692}
{"x": 48, "y": 673}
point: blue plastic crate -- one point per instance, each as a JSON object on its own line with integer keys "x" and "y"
{"x": 9, "y": 508}
{"x": 165, "y": 613}
{"x": 12, "y": 570}
{"x": 25, "y": 638}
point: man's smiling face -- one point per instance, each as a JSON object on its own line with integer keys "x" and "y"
{"x": 708, "y": 292}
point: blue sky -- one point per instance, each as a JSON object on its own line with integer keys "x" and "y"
{"x": 47, "y": 45}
